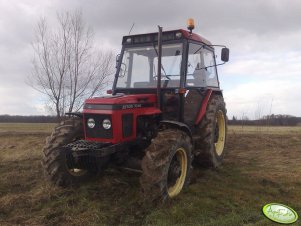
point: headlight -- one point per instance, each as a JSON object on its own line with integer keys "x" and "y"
{"x": 106, "y": 123}
{"x": 91, "y": 123}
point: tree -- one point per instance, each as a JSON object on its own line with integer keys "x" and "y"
{"x": 67, "y": 68}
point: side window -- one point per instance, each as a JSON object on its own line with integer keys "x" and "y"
{"x": 201, "y": 71}
{"x": 210, "y": 68}
{"x": 195, "y": 68}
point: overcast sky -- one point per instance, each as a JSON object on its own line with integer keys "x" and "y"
{"x": 264, "y": 37}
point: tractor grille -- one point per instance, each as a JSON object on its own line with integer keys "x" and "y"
{"x": 80, "y": 145}
{"x": 98, "y": 131}
{"x": 127, "y": 125}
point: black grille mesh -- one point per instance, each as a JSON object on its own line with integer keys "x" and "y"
{"x": 98, "y": 131}
{"x": 127, "y": 125}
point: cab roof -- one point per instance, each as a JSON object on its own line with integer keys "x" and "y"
{"x": 166, "y": 36}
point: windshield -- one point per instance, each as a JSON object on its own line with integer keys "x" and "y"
{"x": 139, "y": 67}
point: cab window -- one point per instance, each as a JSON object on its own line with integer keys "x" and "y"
{"x": 139, "y": 66}
{"x": 201, "y": 69}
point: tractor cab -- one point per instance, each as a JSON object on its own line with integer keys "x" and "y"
{"x": 188, "y": 70}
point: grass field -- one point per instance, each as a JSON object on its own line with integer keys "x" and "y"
{"x": 263, "y": 165}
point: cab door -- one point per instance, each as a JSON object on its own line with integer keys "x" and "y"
{"x": 201, "y": 75}
{"x": 171, "y": 74}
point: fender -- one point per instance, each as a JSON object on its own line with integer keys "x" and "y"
{"x": 77, "y": 114}
{"x": 178, "y": 125}
{"x": 202, "y": 111}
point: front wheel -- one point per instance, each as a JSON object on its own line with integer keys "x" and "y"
{"x": 166, "y": 165}
{"x": 57, "y": 163}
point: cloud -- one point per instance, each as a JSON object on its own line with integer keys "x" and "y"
{"x": 263, "y": 82}
{"x": 285, "y": 65}
{"x": 266, "y": 97}
{"x": 263, "y": 36}
{"x": 20, "y": 100}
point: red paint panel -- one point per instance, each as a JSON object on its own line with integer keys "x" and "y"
{"x": 204, "y": 107}
{"x": 117, "y": 122}
{"x": 195, "y": 37}
{"x": 123, "y": 99}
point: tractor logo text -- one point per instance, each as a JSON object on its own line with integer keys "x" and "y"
{"x": 130, "y": 106}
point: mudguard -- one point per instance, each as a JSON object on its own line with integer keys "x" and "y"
{"x": 178, "y": 125}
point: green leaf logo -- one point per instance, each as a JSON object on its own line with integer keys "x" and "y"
{"x": 280, "y": 213}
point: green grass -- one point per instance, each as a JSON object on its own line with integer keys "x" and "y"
{"x": 260, "y": 167}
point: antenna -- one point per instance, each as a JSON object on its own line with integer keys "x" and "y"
{"x": 131, "y": 28}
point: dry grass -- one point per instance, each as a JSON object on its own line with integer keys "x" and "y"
{"x": 262, "y": 166}
{"x": 265, "y": 130}
{"x": 26, "y": 127}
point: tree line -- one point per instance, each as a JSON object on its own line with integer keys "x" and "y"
{"x": 268, "y": 120}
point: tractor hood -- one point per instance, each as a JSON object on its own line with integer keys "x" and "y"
{"x": 121, "y": 102}
{"x": 120, "y": 112}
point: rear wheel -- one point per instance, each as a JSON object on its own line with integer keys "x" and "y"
{"x": 166, "y": 165}
{"x": 213, "y": 133}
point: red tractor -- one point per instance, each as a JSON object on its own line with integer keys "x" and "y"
{"x": 166, "y": 110}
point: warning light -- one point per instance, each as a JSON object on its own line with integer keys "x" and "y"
{"x": 190, "y": 24}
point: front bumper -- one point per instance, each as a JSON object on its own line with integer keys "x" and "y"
{"x": 81, "y": 148}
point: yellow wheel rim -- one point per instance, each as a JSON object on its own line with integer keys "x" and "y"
{"x": 220, "y": 144}
{"x": 77, "y": 172}
{"x": 181, "y": 158}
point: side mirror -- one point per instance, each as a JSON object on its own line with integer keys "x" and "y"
{"x": 117, "y": 60}
{"x": 225, "y": 54}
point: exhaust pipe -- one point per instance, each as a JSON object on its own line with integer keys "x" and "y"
{"x": 159, "y": 67}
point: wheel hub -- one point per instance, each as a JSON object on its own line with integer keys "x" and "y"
{"x": 73, "y": 167}
{"x": 174, "y": 171}
{"x": 216, "y": 133}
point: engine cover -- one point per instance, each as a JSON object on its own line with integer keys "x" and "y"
{"x": 122, "y": 112}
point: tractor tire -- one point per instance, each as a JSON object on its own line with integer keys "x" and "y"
{"x": 166, "y": 165}
{"x": 213, "y": 134}
{"x": 55, "y": 158}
